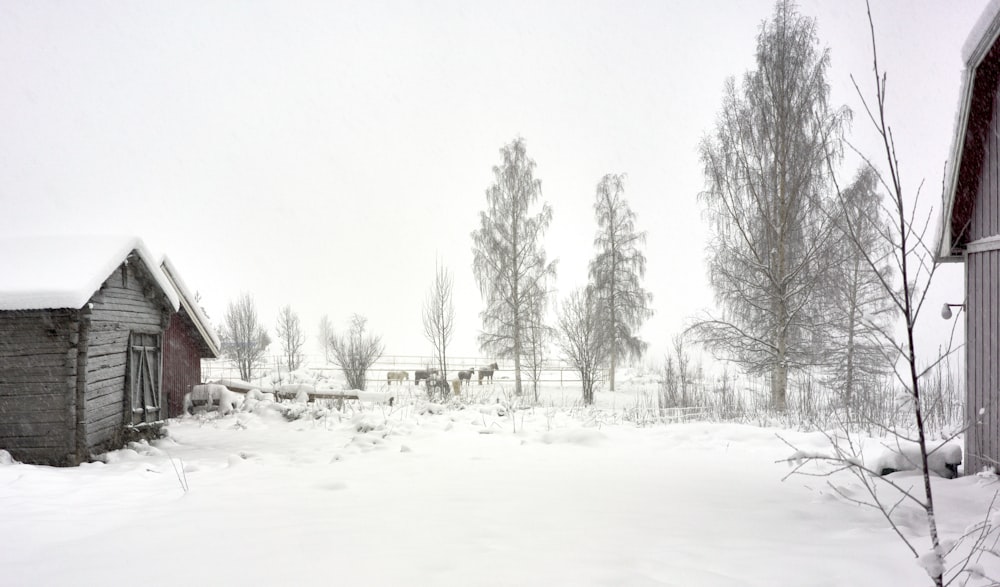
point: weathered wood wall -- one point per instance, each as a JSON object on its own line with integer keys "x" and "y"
{"x": 982, "y": 441}
{"x": 181, "y": 362}
{"x": 127, "y": 301}
{"x": 38, "y": 371}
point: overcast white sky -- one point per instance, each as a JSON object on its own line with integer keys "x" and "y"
{"x": 323, "y": 154}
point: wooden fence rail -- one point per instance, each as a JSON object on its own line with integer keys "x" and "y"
{"x": 553, "y": 371}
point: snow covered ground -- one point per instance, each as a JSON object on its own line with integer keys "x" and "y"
{"x": 418, "y": 494}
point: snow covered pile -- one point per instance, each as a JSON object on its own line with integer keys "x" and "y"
{"x": 942, "y": 459}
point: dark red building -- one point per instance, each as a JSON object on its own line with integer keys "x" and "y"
{"x": 187, "y": 340}
{"x": 970, "y": 234}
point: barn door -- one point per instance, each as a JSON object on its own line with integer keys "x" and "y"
{"x": 144, "y": 377}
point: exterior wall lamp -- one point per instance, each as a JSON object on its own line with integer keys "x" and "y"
{"x": 946, "y": 310}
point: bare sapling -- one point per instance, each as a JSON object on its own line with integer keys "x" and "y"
{"x": 905, "y": 282}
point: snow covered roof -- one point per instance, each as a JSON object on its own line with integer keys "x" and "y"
{"x": 981, "y": 39}
{"x": 41, "y": 272}
{"x": 192, "y": 307}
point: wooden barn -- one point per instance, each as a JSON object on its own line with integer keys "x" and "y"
{"x": 85, "y": 327}
{"x": 970, "y": 234}
{"x": 189, "y": 338}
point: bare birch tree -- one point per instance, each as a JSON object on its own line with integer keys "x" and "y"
{"x": 766, "y": 174}
{"x": 325, "y": 333}
{"x": 439, "y": 317}
{"x": 244, "y": 338}
{"x": 582, "y": 338}
{"x": 508, "y": 259}
{"x": 616, "y": 271}
{"x": 356, "y": 351}
{"x": 860, "y": 310}
{"x": 289, "y": 330}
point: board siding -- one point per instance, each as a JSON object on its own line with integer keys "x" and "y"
{"x": 982, "y": 360}
{"x": 181, "y": 362}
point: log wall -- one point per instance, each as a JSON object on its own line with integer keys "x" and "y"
{"x": 38, "y": 373}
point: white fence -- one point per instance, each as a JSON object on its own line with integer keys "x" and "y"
{"x": 552, "y": 372}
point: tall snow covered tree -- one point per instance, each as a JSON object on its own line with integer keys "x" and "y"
{"x": 615, "y": 273}
{"x": 439, "y": 317}
{"x": 289, "y": 330}
{"x": 508, "y": 259}
{"x": 766, "y": 174}
{"x": 860, "y": 310}
{"x": 244, "y": 338}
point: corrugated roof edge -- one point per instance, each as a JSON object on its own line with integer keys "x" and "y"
{"x": 201, "y": 321}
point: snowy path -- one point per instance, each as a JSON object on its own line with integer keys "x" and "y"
{"x": 439, "y": 503}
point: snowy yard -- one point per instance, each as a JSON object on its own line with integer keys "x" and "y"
{"x": 454, "y": 498}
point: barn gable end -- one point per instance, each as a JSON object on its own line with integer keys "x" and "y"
{"x": 128, "y": 303}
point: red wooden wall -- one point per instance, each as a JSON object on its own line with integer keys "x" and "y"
{"x": 181, "y": 362}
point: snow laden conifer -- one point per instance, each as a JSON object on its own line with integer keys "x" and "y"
{"x": 615, "y": 274}
{"x": 766, "y": 170}
{"x": 509, "y": 262}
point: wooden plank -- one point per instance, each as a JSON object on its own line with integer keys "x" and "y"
{"x": 992, "y": 351}
{"x": 982, "y": 298}
{"x": 101, "y": 378}
{"x": 119, "y": 337}
{"x": 10, "y": 390}
{"x": 23, "y": 429}
{"x": 105, "y": 350}
{"x": 23, "y": 447}
{"x": 98, "y": 413}
{"x": 989, "y": 193}
{"x": 56, "y": 418}
{"x": 126, "y": 317}
{"x": 105, "y": 362}
{"x": 32, "y": 405}
{"x": 44, "y": 374}
{"x": 124, "y": 307}
{"x": 107, "y": 399}
{"x": 28, "y": 358}
{"x": 19, "y": 342}
{"x": 103, "y": 430}
{"x": 114, "y": 295}
{"x": 105, "y": 386}
{"x": 971, "y": 403}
